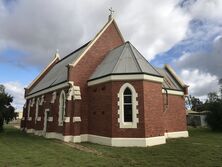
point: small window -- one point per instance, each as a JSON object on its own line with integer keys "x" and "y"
{"x": 128, "y": 113}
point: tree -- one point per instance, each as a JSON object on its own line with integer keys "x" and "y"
{"x": 7, "y": 111}
{"x": 212, "y": 97}
{"x": 2, "y": 88}
{"x": 195, "y": 103}
{"x": 214, "y": 116}
{"x": 220, "y": 84}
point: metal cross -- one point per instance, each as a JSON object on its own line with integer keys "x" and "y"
{"x": 111, "y": 11}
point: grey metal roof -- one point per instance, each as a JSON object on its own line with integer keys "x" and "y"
{"x": 124, "y": 59}
{"x": 169, "y": 81}
{"x": 58, "y": 73}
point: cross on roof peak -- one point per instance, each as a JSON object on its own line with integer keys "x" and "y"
{"x": 111, "y": 13}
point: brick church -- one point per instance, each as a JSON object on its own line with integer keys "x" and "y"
{"x": 106, "y": 92}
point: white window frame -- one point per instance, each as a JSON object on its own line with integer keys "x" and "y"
{"x": 37, "y": 109}
{"x": 62, "y": 108}
{"x": 29, "y": 108}
{"x": 135, "y": 111}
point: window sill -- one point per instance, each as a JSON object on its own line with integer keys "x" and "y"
{"x": 129, "y": 125}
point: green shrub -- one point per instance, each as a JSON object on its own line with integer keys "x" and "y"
{"x": 214, "y": 116}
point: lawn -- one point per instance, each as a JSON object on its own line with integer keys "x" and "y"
{"x": 202, "y": 148}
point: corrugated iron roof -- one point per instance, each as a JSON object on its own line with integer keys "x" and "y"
{"x": 124, "y": 59}
{"x": 59, "y": 72}
{"x": 169, "y": 81}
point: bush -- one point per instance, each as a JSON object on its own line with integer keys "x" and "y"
{"x": 214, "y": 116}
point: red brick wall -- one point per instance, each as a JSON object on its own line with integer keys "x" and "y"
{"x": 153, "y": 108}
{"x": 175, "y": 115}
{"x": 100, "y": 109}
{"x": 53, "y": 112}
{"x": 87, "y": 65}
{"x": 131, "y": 132}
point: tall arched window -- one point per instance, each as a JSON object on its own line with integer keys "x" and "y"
{"x": 37, "y": 109}
{"x": 29, "y": 107}
{"x": 128, "y": 107}
{"x": 128, "y": 112}
{"x": 62, "y": 107}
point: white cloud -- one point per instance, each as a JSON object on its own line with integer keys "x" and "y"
{"x": 39, "y": 27}
{"x": 200, "y": 83}
{"x": 205, "y": 61}
{"x": 207, "y": 9}
{"x": 154, "y": 26}
{"x": 16, "y": 89}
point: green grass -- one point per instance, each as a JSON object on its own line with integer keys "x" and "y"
{"x": 202, "y": 148}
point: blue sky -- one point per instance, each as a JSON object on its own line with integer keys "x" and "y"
{"x": 187, "y": 34}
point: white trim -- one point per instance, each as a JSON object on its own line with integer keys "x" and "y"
{"x": 76, "y": 139}
{"x": 45, "y": 121}
{"x": 177, "y": 134}
{"x": 41, "y": 100}
{"x": 66, "y": 84}
{"x": 170, "y": 69}
{"x": 50, "y": 119}
{"x": 58, "y": 136}
{"x": 135, "y": 111}
{"x": 117, "y": 142}
{"x": 84, "y": 137}
{"x": 76, "y": 119}
{"x": 53, "y": 97}
{"x": 124, "y": 142}
{"x": 29, "y": 118}
{"x": 126, "y": 77}
{"x": 68, "y": 138}
{"x": 38, "y": 119}
{"x": 62, "y": 107}
{"x": 25, "y": 105}
{"x": 173, "y": 92}
{"x": 29, "y": 130}
{"x": 32, "y": 102}
{"x": 37, "y": 109}
{"x": 29, "y": 107}
{"x": 38, "y": 132}
{"x": 67, "y": 119}
{"x": 100, "y": 140}
{"x": 152, "y": 141}
{"x": 42, "y": 72}
{"x": 74, "y": 91}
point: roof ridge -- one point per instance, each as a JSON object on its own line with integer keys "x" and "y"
{"x": 147, "y": 61}
{"x": 119, "y": 57}
{"x": 135, "y": 57}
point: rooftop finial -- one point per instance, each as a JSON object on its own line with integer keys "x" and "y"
{"x": 111, "y": 13}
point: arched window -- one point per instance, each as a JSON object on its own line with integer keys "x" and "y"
{"x": 128, "y": 112}
{"x": 29, "y": 107}
{"x": 37, "y": 109}
{"x": 62, "y": 107}
{"x": 128, "y": 107}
